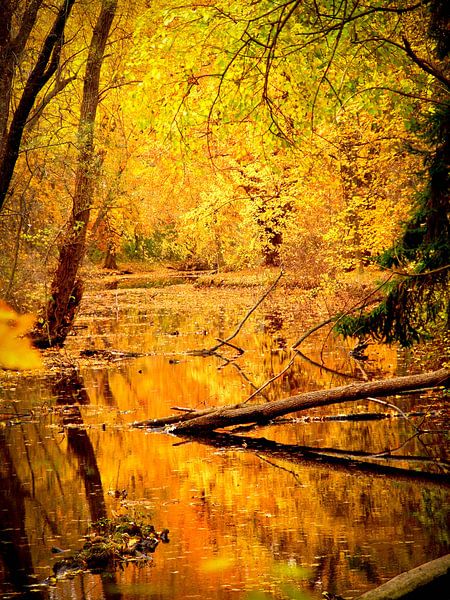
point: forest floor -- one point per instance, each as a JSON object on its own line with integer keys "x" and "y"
{"x": 325, "y": 295}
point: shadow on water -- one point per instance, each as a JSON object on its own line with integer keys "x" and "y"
{"x": 16, "y": 499}
{"x": 70, "y": 391}
{"x": 345, "y": 461}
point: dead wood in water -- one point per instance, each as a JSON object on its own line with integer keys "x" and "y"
{"x": 430, "y": 580}
{"x": 211, "y": 419}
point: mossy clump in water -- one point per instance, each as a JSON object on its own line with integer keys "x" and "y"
{"x": 111, "y": 543}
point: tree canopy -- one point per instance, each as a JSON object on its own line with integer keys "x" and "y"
{"x": 309, "y": 134}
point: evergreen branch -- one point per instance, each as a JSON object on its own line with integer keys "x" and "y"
{"x": 423, "y": 274}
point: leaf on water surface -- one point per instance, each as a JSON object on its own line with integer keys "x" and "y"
{"x": 220, "y": 563}
{"x": 286, "y": 570}
{"x": 16, "y": 352}
{"x": 132, "y": 542}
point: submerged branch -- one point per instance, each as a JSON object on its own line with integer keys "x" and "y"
{"x": 332, "y": 319}
{"x": 272, "y": 379}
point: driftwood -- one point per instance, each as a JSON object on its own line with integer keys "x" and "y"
{"x": 211, "y": 419}
{"x": 430, "y": 580}
{"x": 110, "y": 354}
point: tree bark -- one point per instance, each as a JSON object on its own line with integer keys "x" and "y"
{"x": 209, "y": 420}
{"x": 430, "y": 580}
{"x": 44, "y": 68}
{"x": 67, "y": 288}
{"x": 111, "y": 258}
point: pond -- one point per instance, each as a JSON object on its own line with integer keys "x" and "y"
{"x": 246, "y": 523}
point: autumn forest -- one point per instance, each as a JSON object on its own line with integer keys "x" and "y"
{"x": 224, "y": 190}
{"x": 222, "y": 137}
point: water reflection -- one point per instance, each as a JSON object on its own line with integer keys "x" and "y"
{"x": 243, "y": 519}
{"x": 71, "y": 393}
{"x": 15, "y": 552}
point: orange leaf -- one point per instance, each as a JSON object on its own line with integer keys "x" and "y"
{"x": 16, "y": 351}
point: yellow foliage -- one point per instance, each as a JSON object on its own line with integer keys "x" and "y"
{"x": 16, "y": 351}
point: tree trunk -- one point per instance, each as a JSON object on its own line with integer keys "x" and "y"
{"x": 430, "y": 580}
{"x": 11, "y": 49}
{"x": 6, "y": 70}
{"x": 111, "y": 258}
{"x": 208, "y": 420}
{"x": 271, "y": 250}
{"x": 67, "y": 288}
{"x": 44, "y": 68}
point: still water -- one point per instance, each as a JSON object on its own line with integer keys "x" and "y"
{"x": 245, "y": 523}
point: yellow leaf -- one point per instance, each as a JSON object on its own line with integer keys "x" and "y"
{"x": 218, "y": 564}
{"x": 16, "y": 351}
{"x": 132, "y": 542}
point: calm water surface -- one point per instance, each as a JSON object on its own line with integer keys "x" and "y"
{"x": 244, "y": 523}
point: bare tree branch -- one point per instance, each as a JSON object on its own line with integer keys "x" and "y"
{"x": 226, "y": 341}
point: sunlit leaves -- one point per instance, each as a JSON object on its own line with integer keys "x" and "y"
{"x": 221, "y": 76}
{"x": 192, "y": 95}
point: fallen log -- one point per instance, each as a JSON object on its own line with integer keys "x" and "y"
{"x": 430, "y": 580}
{"x": 211, "y": 419}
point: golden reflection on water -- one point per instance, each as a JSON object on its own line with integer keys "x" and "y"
{"x": 244, "y": 524}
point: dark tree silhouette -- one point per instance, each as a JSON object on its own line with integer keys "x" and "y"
{"x": 67, "y": 287}
{"x": 45, "y": 66}
{"x": 416, "y": 301}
